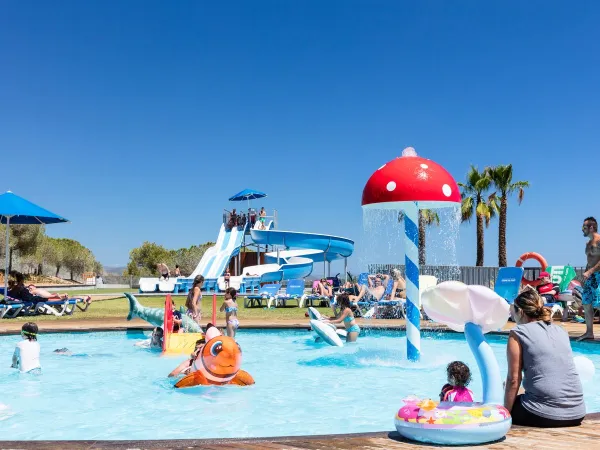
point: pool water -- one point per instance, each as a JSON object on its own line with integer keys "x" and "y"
{"x": 119, "y": 391}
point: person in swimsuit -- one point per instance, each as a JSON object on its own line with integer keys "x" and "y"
{"x": 459, "y": 376}
{"x": 155, "y": 342}
{"x": 325, "y": 289}
{"x": 185, "y": 367}
{"x": 163, "y": 271}
{"x": 399, "y": 287}
{"x": 177, "y": 270}
{"x": 591, "y": 276}
{"x": 347, "y": 318}
{"x": 547, "y": 289}
{"x": 226, "y": 277}
{"x": 194, "y": 299}
{"x": 262, "y": 218}
{"x": 230, "y": 307}
{"x": 26, "y": 357}
{"x": 377, "y": 285}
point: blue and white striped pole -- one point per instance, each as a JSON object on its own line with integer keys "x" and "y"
{"x": 411, "y": 258}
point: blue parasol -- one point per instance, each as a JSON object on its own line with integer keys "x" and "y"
{"x": 17, "y": 210}
{"x": 247, "y": 194}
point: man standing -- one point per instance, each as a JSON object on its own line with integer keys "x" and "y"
{"x": 591, "y": 276}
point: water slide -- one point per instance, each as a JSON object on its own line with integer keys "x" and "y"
{"x": 301, "y": 251}
{"x": 216, "y": 258}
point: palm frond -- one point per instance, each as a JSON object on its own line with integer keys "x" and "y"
{"x": 466, "y": 209}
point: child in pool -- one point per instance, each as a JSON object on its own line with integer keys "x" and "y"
{"x": 230, "y": 307}
{"x": 347, "y": 317}
{"x": 27, "y": 353}
{"x": 459, "y": 376}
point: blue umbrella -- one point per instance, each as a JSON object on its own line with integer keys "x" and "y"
{"x": 17, "y": 210}
{"x": 247, "y": 194}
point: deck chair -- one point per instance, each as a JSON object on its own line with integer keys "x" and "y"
{"x": 265, "y": 293}
{"x": 563, "y": 276}
{"x": 4, "y": 309}
{"x": 508, "y": 283}
{"x": 310, "y": 299}
{"x": 294, "y": 291}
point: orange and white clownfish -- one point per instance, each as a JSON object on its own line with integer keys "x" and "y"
{"x": 218, "y": 362}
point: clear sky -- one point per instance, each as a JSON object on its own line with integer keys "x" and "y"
{"x": 138, "y": 119}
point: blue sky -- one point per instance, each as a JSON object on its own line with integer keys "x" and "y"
{"x": 138, "y": 119}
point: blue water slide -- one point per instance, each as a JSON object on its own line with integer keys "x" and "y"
{"x": 302, "y": 250}
{"x": 215, "y": 259}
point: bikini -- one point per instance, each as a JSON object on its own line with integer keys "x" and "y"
{"x": 354, "y": 328}
{"x": 233, "y": 321}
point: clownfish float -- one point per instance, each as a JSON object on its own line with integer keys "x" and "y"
{"x": 217, "y": 363}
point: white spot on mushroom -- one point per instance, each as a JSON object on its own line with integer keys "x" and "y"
{"x": 391, "y": 186}
{"x": 447, "y": 190}
{"x": 424, "y": 166}
{"x": 381, "y": 167}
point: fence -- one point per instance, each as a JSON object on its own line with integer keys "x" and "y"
{"x": 485, "y": 276}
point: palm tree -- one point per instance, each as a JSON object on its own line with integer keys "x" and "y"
{"x": 474, "y": 203}
{"x": 501, "y": 177}
{"x": 427, "y": 217}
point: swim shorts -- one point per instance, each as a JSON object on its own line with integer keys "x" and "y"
{"x": 591, "y": 296}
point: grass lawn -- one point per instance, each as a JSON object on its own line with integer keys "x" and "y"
{"x": 119, "y": 308}
{"x": 77, "y": 292}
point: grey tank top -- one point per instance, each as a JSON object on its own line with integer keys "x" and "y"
{"x": 552, "y": 386}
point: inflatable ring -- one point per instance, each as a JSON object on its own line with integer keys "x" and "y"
{"x": 531, "y": 255}
{"x": 452, "y": 423}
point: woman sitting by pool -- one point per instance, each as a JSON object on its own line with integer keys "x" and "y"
{"x": 347, "y": 317}
{"x": 539, "y": 354}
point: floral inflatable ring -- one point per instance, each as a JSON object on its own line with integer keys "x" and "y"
{"x": 426, "y": 420}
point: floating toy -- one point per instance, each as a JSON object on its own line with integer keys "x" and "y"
{"x": 218, "y": 363}
{"x": 176, "y": 343}
{"x": 585, "y": 368}
{"x": 156, "y": 316}
{"x": 326, "y": 331}
{"x": 475, "y": 310}
{"x": 527, "y": 256}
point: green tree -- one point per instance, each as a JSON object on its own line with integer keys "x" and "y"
{"x": 143, "y": 260}
{"x": 427, "y": 217}
{"x": 501, "y": 177}
{"x": 52, "y": 252}
{"x": 188, "y": 258}
{"x": 24, "y": 241}
{"x": 475, "y": 203}
{"x": 76, "y": 258}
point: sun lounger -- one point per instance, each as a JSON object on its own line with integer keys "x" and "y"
{"x": 508, "y": 283}
{"x": 265, "y": 293}
{"x": 310, "y": 299}
{"x": 293, "y": 291}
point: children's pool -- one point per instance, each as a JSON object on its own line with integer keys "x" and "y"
{"x": 119, "y": 391}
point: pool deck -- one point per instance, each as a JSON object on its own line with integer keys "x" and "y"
{"x": 587, "y": 436}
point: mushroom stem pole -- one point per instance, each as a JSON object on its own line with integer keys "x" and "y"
{"x": 411, "y": 257}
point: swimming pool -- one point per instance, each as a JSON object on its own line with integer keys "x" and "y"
{"x": 119, "y": 391}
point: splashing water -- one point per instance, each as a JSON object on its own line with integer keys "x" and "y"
{"x": 382, "y": 239}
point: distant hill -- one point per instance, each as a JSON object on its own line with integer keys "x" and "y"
{"x": 117, "y": 270}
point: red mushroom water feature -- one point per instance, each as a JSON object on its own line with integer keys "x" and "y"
{"x": 410, "y": 183}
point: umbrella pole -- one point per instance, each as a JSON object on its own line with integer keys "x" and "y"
{"x": 6, "y": 259}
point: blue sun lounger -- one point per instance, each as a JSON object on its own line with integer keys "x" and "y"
{"x": 265, "y": 294}
{"x": 508, "y": 283}
{"x": 293, "y": 291}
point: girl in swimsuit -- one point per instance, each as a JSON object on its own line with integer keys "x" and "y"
{"x": 194, "y": 300}
{"x": 230, "y": 307}
{"x": 347, "y": 317}
{"x": 456, "y": 390}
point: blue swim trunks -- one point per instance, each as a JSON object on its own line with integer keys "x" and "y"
{"x": 591, "y": 295}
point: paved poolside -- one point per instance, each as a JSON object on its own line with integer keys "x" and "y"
{"x": 587, "y": 436}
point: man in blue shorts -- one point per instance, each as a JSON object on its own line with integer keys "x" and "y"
{"x": 591, "y": 276}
